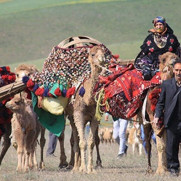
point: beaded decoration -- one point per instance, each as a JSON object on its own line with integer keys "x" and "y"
{"x": 66, "y": 67}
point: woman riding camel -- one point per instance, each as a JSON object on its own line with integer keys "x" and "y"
{"x": 160, "y": 40}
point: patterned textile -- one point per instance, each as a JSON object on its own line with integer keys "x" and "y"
{"x": 125, "y": 93}
{"x": 6, "y": 77}
{"x": 66, "y": 67}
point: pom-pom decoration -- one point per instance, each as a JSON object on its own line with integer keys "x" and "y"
{"x": 25, "y": 79}
{"x": 45, "y": 94}
{"x": 39, "y": 91}
{"x": 64, "y": 91}
{"x": 82, "y": 91}
{"x": 57, "y": 92}
{"x": 36, "y": 86}
{"x": 70, "y": 92}
{"x": 30, "y": 84}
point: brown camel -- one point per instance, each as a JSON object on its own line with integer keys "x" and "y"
{"x": 21, "y": 71}
{"x": 25, "y": 129}
{"x": 166, "y": 70}
{"x": 82, "y": 110}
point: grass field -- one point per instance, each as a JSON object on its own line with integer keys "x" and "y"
{"x": 29, "y": 29}
{"x": 129, "y": 168}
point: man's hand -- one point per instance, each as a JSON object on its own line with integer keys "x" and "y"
{"x": 155, "y": 122}
{"x": 106, "y": 117}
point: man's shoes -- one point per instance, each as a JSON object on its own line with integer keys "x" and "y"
{"x": 126, "y": 149}
{"x": 120, "y": 155}
{"x": 51, "y": 155}
{"x": 174, "y": 172}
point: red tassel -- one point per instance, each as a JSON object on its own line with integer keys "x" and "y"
{"x": 39, "y": 91}
{"x": 4, "y": 77}
{"x": 30, "y": 84}
{"x": 70, "y": 92}
{"x": 8, "y": 68}
{"x": 50, "y": 95}
{"x": 57, "y": 92}
{"x": 116, "y": 56}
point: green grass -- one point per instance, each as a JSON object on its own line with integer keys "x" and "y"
{"x": 30, "y": 28}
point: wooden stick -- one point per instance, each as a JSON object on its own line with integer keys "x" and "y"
{"x": 11, "y": 89}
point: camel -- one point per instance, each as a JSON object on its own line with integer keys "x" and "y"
{"x": 25, "y": 129}
{"x": 166, "y": 70}
{"x": 21, "y": 71}
{"x": 82, "y": 110}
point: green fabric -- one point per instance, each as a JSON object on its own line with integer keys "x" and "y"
{"x": 54, "y": 123}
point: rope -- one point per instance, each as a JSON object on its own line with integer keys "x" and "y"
{"x": 99, "y": 113}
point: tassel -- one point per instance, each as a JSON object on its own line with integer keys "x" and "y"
{"x": 39, "y": 91}
{"x": 35, "y": 87}
{"x": 45, "y": 94}
{"x": 30, "y": 84}
{"x": 116, "y": 56}
{"x": 25, "y": 79}
{"x": 64, "y": 92}
{"x": 57, "y": 92}
{"x": 70, "y": 92}
{"x": 82, "y": 91}
{"x": 7, "y": 68}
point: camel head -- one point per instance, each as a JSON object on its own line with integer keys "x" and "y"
{"x": 166, "y": 65}
{"x": 97, "y": 56}
{"x": 17, "y": 103}
{"x": 24, "y": 70}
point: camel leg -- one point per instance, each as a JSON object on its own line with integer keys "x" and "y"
{"x": 18, "y": 134}
{"x": 63, "y": 158}
{"x": 6, "y": 141}
{"x": 91, "y": 142}
{"x": 42, "y": 145}
{"x": 161, "y": 147}
{"x": 27, "y": 157}
{"x": 133, "y": 147}
{"x": 97, "y": 142}
{"x": 29, "y": 141}
{"x": 140, "y": 149}
{"x": 20, "y": 153}
{"x": 71, "y": 162}
{"x": 78, "y": 119}
{"x": 76, "y": 150}
{"x": 147, "y": 132}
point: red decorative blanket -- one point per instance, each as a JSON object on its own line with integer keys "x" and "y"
{"x": 124, "y": 91}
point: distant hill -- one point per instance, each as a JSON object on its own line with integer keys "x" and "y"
{"x": 29, "y": 29}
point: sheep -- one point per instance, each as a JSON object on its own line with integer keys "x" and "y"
{"x": 106, "y": 135}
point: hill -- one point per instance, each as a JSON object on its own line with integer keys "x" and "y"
{"x": 29, "y": 29}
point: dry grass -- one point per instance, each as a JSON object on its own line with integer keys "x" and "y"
{"x": 132, "y": 168}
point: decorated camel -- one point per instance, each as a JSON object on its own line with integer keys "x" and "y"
{"x": 82, "y": 110}
{"x": 68, "y": 79}
{"x": 166, "y": 72}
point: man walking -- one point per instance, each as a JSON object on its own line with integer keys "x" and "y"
{"x": 169, "y": 106}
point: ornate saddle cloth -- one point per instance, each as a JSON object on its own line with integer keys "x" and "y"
{"x": 6, "y": 77}
{"x": 124, "y": 91}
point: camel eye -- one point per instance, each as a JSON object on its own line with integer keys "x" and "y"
{"x": 93, "y": 54}
{"x": 17, "y": 75}
{"x": 17, "y": 102}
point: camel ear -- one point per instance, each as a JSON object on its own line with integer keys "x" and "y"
{"x": 88, "y": 50}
